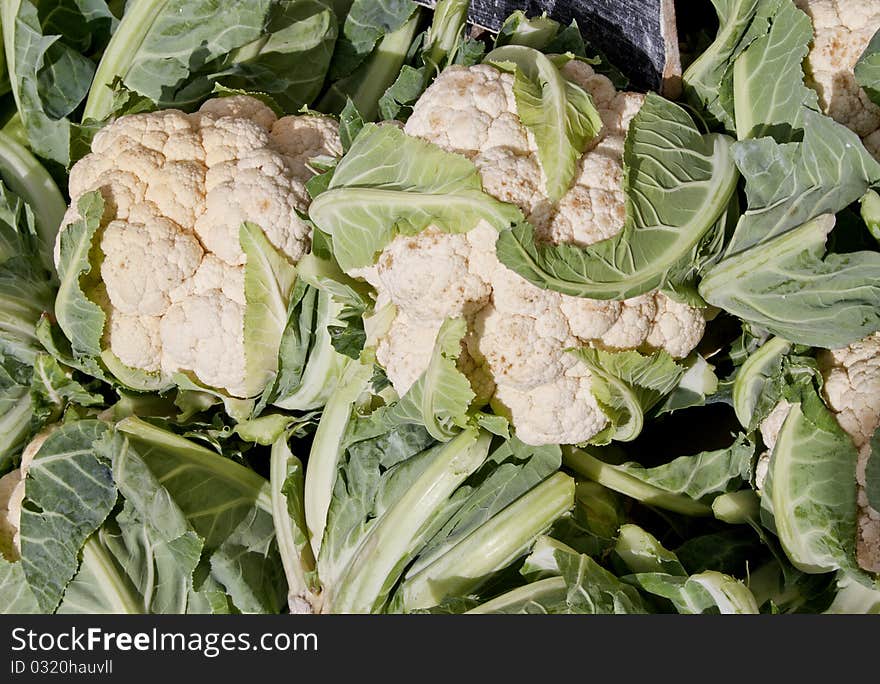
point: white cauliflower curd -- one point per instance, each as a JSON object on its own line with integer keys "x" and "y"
{"x": 842, "y": 30}
{"x": 515, "y": 349}
{"x": 177, "y": 188}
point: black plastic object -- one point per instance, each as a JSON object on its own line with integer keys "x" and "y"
{"x": 637, "y": 36}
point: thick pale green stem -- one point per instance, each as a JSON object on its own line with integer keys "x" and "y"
{"x": 296, "y": 558}
{"x": 491, "y": 547}
{"x": 125, "y": 43}
{"x": 542, "y": 592}
{"x": 326, "y": 445}
{"x": 380, "y": 558}
{"x": 605, "y": 474}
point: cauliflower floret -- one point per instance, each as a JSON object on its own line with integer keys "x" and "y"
{"x": 852, "y": 392}
{"x": 177, "y": 188}
{"x": 405, "y": 350}
{"x": 430, "y": 275}
{"x": 135, "y": 340}
{"x": 145, "y": 257}
{"x": 770, "y": 427}
{"x": 842, "y": 30}
{"x": 560, "y": 412}
{"x": 302, "y": 138}
{"x": 9, "y": 487}
{"x": 12, "y": 490}
{"x": 469, "y": 110}
{"x": 195, "y": 334}
{"x": 515, "y": 351}
{"x": 675, "y": 327}
{"x": 518, "y": 334}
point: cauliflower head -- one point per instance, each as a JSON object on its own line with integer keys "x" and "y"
{"x": 177, "y": 188}
{"x": 515, "y": 349}
{"x": 842, "y": 31}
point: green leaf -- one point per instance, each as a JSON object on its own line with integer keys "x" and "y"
{"x": 53, "y": 387}
{"x": 69, "y": 493}
{"x": 790, "y": 183}
{"x": 390, "y": 540}
{"x": 390, "y": 183}
{"x": 27, "y": 178}
{"x": 309, "y": 365}
{"x": 678, "y": 183}
{"x": 366, "y": 84}
{"x": 512, "y": 469}
{"x": 706, "y": 592}
{"x": 791, "y": 287}
{"x": 398, "y": 100}
{"x": 79, "y": 317}
{"x": 534, "y": 32}
{"x": 444, "y": 41}
{"x": 288, "y": 61}
{"x": 142, "y": 560}
{"x": 100, "y": 585}
{"x": 757, "y": 386}
{"x": 870, "y": 210}
{"x": 268, "y": 284}
{"x": 867, "y": 69}
{"x": 16, "y": 597}
{"x": 173, "y": 52}
{"x": 811, "y": 489}
{"x": 50, "y": 76}
{"x": 439, "y": 399}
{"x": 350, "y": 124}
{"x": 701, "y": 475}
{"x": 696, "y": 384}
{"x": 640, "y": 552}
{"x": 581, "y": 586}
{"x": 769, "y": 95}
{"x": 559, "y": 113}
{"x": 708, "y": 81}
{"x": 626, "y": 384}
{"x": 287, "y": 477}
{"x": 680, "y": 485}
{"x": 502, "y": 539}
{"x": 366, "y": 22}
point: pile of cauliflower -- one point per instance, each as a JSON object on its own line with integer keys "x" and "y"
{"x": 514, "y": 352}
{"x": 177, "y": 188}
{"x": 842, "y": 30}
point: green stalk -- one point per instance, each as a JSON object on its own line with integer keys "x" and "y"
{"x": 326, "y": 447}
{"x": 126, "y": 42}
{"x": 492, "y": 546}
{"x": 608, "y": 475}
{"x": 296, "y": 558}
{"x": 550, "y": 590}
{"x": 369, "y": 82}
{"x": 390, "y": 543}
{"x": 27, "y": 178}
{"x": 443, "y": 37}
